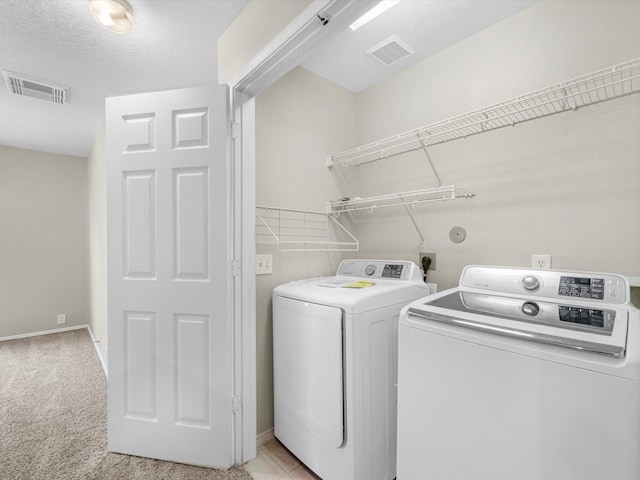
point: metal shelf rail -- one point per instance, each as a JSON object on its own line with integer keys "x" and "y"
{"x": 414, "y": 197}
{"x": 600, "y": 86}
{"x": 302, "y": 230}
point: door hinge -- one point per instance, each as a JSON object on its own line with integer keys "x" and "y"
{"x": 233, "y": 129}
{"x": 236, "y": 404}
{"x": 235, "y": 268}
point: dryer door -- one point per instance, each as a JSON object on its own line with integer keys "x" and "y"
{"x": 308, "y": 373}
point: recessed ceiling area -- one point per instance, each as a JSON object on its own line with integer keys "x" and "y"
{"x": 425, "y": 26}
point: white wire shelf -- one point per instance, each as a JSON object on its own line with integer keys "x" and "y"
{"x": 450, "y": 192}
{"x": 606, "y": 84}
{"x": 302, "y": 230}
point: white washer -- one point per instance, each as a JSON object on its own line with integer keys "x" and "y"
{"x": 335, "y": 367}
{"x": 520, "y": 374}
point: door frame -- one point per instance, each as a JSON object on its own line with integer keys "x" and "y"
{"x": 284, "y": 53}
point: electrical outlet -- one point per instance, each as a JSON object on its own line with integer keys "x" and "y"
{"x": 264, "y": 264}
{"x": 431, "y": 255}
{"x": 541, "y": 261}
{"x": 62, "y": 318}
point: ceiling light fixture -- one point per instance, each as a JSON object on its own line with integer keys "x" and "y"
{"x": 381, "y": 7}
{"x": 116, "y": 15}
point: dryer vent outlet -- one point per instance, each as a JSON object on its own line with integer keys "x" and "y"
{"x": 428, "y": 259}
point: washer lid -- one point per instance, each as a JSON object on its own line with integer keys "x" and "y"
{"x": 353, "y": 295}
{"x": 577, "y": 325}
{"x": 565, "y": 316}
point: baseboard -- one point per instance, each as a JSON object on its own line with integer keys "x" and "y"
{"x": 96, "y": 344}
{"x": 264, "y": 437}
{"x": 45, "y": 332}
{"x": 65, "y": 329}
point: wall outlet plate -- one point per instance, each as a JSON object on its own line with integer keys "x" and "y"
{"x": 541, "y": 261}
{"x": 62, "y": 318}
{"x": 264, "y": 264}
{"x": 431, "y": 255}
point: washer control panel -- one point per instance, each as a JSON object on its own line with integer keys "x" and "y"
{"x": 596, "y": 287}
{"x": 380, "y": 269}
{"x": 583, "y": 287}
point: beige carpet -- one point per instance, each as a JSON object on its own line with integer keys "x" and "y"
{"x": 53, "y": 417}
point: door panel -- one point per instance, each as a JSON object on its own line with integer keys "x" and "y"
{"x": 192, "y": 366}
{"x": 308, "y": 372}
{"x": 139, "y": 193}
{"x": 191, "y": 207}
{"x": 170, "y": 336}
{"x": 141, "y": 366}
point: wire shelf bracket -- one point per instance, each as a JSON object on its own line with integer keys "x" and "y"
{"x": 302, "y": 230}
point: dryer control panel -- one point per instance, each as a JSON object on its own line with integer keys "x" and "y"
{"x": 380, "y": 269}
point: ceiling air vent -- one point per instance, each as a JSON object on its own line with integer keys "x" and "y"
{"x": 32, "y": 87}
{"x": 392, "y": 50}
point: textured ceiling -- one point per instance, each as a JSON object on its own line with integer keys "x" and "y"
{"x": 172, "y": 46}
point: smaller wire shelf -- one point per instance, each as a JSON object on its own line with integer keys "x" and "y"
{"x": 412, "y": 198}
{"x": 302, "y": 230}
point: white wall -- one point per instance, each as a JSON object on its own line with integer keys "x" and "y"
{"x": 567, "y": 185}
{"x": 96, "y": 170}
{"x": 44, "y": 257}
{"x": 298, "y": 120}
{"x": 257, "y": 24}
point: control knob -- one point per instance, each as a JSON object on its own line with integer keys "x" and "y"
{"x": 530, "y": 308}
{"x": 530, "y": 282}
{"x": 370, "y": 269}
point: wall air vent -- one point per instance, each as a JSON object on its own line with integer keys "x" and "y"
{"x": 392, "y": 50}
{"x": 32, "y": 87}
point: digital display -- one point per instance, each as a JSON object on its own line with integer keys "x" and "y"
{"x": 392, "y": 271}
{"x": 583, "y": 316}
{"x": 582, "y": 287}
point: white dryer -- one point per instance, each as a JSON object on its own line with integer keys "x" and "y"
{"x": 335, "y": 367}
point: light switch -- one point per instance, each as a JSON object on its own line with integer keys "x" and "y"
{"x": 264, "y": 264}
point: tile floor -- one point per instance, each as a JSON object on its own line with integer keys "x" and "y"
{"x": 274, "y": 462}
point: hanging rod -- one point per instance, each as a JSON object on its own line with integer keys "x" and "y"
{"x": 410, "y": 199}
{"x": 607, "y": 84}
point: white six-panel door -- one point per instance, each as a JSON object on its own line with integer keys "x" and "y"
{"x": 170, "y": 335}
